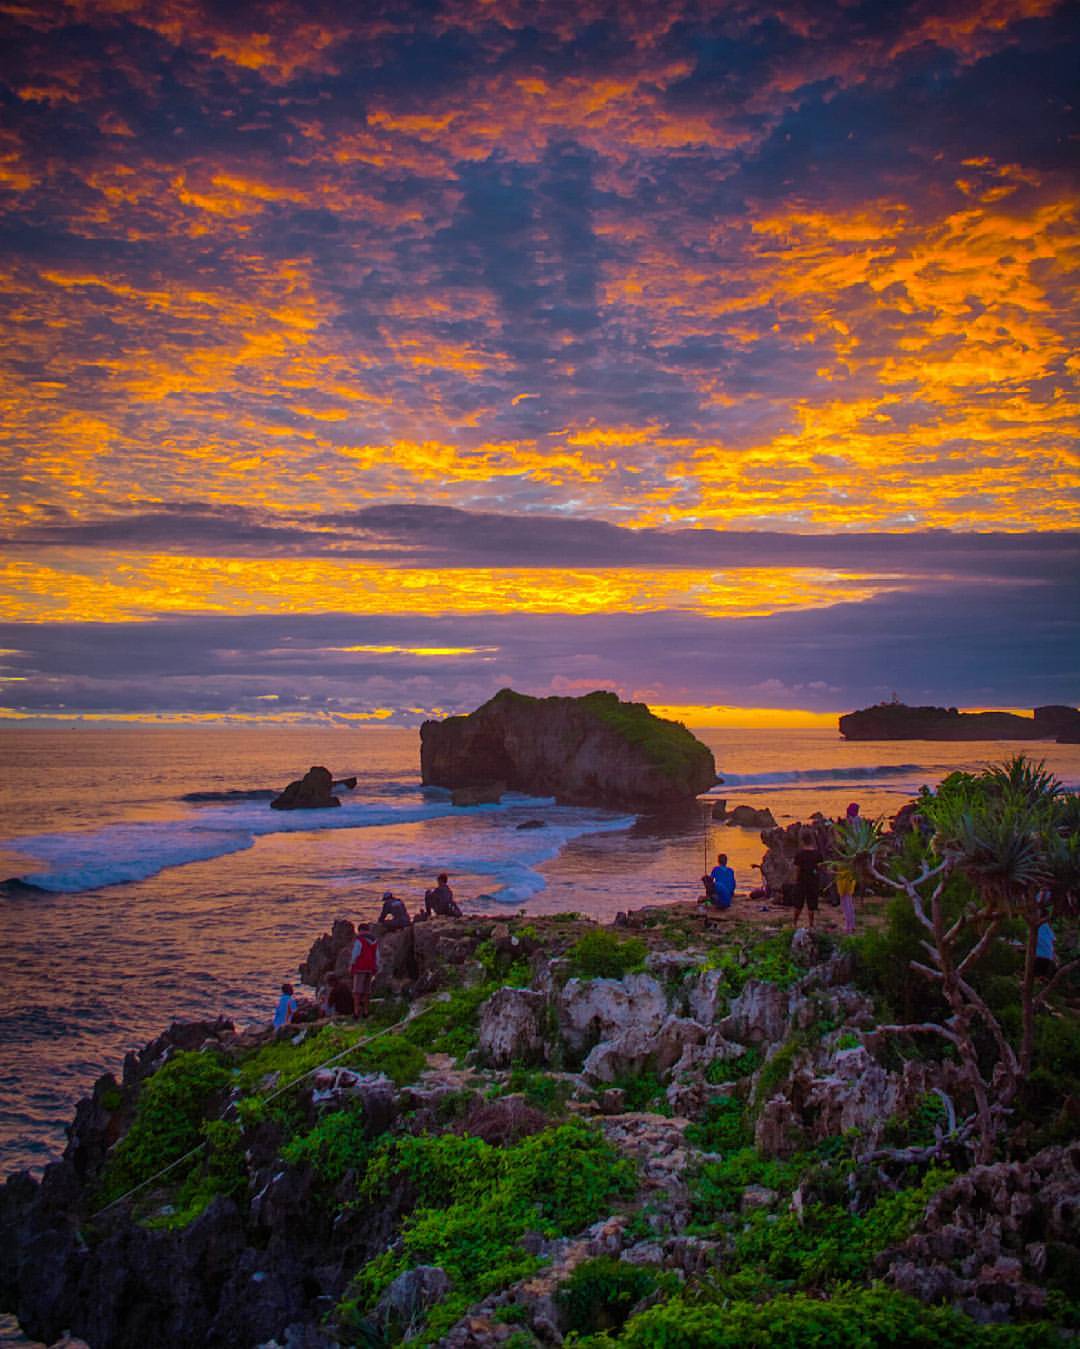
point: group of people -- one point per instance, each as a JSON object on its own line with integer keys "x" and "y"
{"x": 810, "y": 879}
{"x": 352, "y": 997}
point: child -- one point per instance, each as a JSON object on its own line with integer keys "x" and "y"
{"x": 286, "y": 1007}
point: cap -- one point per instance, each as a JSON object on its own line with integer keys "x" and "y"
{"x": 388, "y": 894}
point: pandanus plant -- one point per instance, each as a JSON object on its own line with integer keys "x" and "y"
{"x": 1013, "y": 834}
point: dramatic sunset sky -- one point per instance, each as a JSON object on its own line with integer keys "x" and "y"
{"x": 360, "y": 359}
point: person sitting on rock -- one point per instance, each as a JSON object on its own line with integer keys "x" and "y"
{"x": 394, "y": 913}
{"x": 722, "y": 882}
{"x": 336, "y": 998}
{"x": 285, "y": 1010}
{"x": 808, "y": 860}
{"x": 440, "y": 900}
{"x": 363, "y": 966}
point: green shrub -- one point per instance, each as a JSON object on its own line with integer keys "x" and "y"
{"x": 474, "y": 1202}
{"x": 917, "y": 1129}
{"x": 864, "y": 1319}
{"x": 449, "y": 1025}
{"x": 643, "y": 1091}
{"x": 600, "y": 954}
{"x": 726, "y": 1070}
{"x": 540, "y": 1090}
{"x": 293, "y": 1061}
{"x": 722, "y": 1126}
{"x": 223, "y": 1171}
{"x": 766, "y": 959}
{"x": 717, "y": 1187}
{"x": 394, "y": 1055}
{"x": 337, "y": 1144}
{"x": 826, "y": 1242}
{"x": 601, "y": 1293}
{"x": 168, "y": 1120}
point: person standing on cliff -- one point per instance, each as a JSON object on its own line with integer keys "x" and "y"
{"x": 846, "y": 879}
{"x": 363, "y": 966}
{"x": 807, "y": 880}
{"x": 440, "y": 900}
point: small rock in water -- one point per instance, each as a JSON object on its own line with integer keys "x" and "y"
{"x": 533, "y": 824}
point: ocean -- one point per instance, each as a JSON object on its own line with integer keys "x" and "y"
{"x": 151, "y": 882}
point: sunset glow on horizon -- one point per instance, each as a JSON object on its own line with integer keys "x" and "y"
{"x": 360, "y": 362}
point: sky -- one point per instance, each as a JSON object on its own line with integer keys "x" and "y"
{"x": 360, "y": 360}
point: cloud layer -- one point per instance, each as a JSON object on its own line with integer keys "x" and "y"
{"x": 745, "y": 323}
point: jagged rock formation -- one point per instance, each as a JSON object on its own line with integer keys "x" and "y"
{"x": 897, "y": 721}
{"x": 314, "y": 791}
{"x": 794, "y": 1056}
{"x": 594, "y": 751}
{"x": 986, "y": 1238}
{"x": 744, "y": 817}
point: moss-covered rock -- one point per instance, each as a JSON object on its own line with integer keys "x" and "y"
{"x": 593, "y": 750}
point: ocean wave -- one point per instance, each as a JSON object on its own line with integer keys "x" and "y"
{"x": 256, "y": 794}
{"x": 120, "y": 854}
{"x": 852, "y": 774}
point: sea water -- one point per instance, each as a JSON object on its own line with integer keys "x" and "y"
{"x": 150, "y": 881}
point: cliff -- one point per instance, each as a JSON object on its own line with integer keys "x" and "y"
{"x": 897, "y": 721}
{"x": 594, "y": 751}
{"x": 634, "y": 1113}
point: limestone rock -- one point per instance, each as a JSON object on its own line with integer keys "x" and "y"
{"x": 591, "y": 1010}
{"x": 411, "y": 1296}
{"x": 635, "y": 1048}
{"x": 803, "y": 947}
{"x": 511, "y": 1027}
{"x": 983, "y": 1239}
{"x": 758, "y": 1015}
{"x": 707, "y": 996}
{"x": 747, "y": 817}
{"x": 314, "y": 791}
{"x": 583, "y": 751}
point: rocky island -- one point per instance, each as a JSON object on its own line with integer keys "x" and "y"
{"x": 592, "y": 751}
{"x": 897, "y": 721}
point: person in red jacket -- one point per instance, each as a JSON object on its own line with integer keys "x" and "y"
{"x": 363, "y": 966}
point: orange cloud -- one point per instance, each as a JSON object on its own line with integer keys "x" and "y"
{"x": 119, "y": 587}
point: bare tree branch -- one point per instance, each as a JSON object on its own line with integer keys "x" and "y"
{"x": 1052, "y": 983}
{"x": 980, "y": 946}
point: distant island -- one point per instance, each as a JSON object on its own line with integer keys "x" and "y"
{"x": 592, "y": 751}
{"x": 897, "y": 721}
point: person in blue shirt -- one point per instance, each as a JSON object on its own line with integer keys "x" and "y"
{"x": 286, "y": 1007}
{"x": 723, "y": 883}
{"x": 1044, "y": 952}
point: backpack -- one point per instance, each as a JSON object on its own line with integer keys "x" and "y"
{"x": 367, "y": 958}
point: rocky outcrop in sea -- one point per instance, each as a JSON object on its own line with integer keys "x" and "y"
{"x": 897, "y": 721}
{"x": 594, "y": 751}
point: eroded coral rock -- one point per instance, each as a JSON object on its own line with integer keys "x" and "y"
{"x": 591, "y": 1010}
{"x": 512, "y": 1028}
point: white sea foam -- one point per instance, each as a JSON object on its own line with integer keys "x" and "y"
{"x": 122, "y": 853}
{"x": 824, "y": 775}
